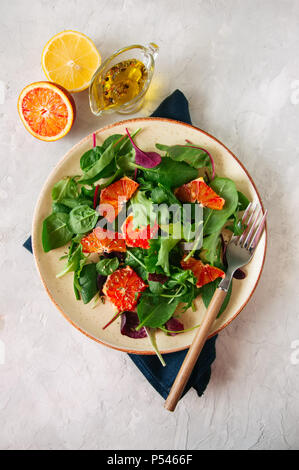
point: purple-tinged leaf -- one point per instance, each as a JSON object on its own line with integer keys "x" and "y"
{"x": 115, "y": 254}
{"x": 100, "y": 283}
{"x": 129, "y": 322}
{"x": 145, "y": 159}
{"x": 162, "y": 278}
{"x": 174, "y": 325}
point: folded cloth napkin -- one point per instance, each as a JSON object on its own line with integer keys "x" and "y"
{"x": 174, "y": 107}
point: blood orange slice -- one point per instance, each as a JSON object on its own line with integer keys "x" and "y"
{"x": 117, "y": 194}
{"x": 198, "y": 190}
{"x": 99, "y": 241}
{"x": 138, "y": 238}
{"x": 46, "y": 110}
{"x": 204, "y": 273}
{"x": 123, "y": 288}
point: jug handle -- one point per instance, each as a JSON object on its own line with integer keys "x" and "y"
{"x": 153, "y": 49}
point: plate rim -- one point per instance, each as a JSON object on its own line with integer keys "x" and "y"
{"x": 89, "y": 136}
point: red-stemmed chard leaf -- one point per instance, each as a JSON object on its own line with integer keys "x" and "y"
{"x": 144, "y": 159}
{"x": 129, "y": 322}
{"x": 208, "y": 153}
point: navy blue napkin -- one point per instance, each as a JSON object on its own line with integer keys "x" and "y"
{"x": 174, "y": 107}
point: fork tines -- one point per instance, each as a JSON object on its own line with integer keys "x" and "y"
{"x": 254, "y": 219}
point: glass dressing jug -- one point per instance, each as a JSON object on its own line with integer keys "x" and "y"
{"x": 121, "y": 82}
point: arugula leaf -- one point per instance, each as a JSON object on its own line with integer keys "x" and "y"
{"x": 158, "y": 254}
{"x": 166, "y": 245}
{"x": 75, "y": 262}
{"x": 155, "y": 311}
{"x": 143, "y": 210}
{"x": 107, "y": 266}
{"x": 211, "y": 248}
{"x": 87, "y": 282}
{"x": 195, "y": 157}
{"x": 135, "y": 257}
{"x": 56, "y": 231}
{"x": 170, "y": 173}
{"x": 215, "y": 220}
{"x": 83, "y": 219}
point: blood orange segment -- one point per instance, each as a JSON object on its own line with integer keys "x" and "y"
{"x": 99, "y": 241}
{"x": 138, "y": 238}
{"x": 116, "y": 195}
{"x": 198, "y": 190}
{"x": 123, "y": 288}
{"x": 204, "y": 273}
{"x": 46, "y": 110}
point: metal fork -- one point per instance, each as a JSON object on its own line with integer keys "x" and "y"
{"x": 239, "y": 252}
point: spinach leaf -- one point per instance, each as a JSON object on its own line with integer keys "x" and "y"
{"x": 112, "y": 139}
{"x": 215, "y": 220}
{"x": 155, "y": 311}
{"x": 58, "y": 207}
{"x": 242, "y": 201}
{"x": 170, "y": 173}
{"x": 195, "y": 157}
{"x": 105, "y": 166}
{"x": 155, "y": 287}
{"x": 90, "y": 157}
{"x": 94, "y": 173}
{"x": 72, "y": 203}
{"x": 56, "y": 231}
{"x": 65, "y": 188}
{"x": 75, "y": 262}
{"x": 83, "y": 219}
{"x": 107, "y": 266}
{"x": 87, "y": 282}
{"x": 162, "y": 194}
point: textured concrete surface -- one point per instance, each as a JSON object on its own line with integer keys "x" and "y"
{"x": 238, "y": 64}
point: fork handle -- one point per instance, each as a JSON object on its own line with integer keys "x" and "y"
{"x": 194, "y": 350}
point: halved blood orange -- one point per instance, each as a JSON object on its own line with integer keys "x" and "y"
{"x": 138, "y": 238}
{"x": 116, "y": 195}
{"x": 100, "y": 240}
{"x": 204, "y": 273}
{"x": 198, "y": 190}
{"x": 123, "y": 288}
{"x": 47, "y": 110}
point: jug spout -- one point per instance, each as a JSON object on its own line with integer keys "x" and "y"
{"x": 153, "y": 49}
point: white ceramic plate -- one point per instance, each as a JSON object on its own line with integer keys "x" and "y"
{"x": 91, "y": 320}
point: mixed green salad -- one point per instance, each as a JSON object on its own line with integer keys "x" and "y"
{"x": 161, "y": 245}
